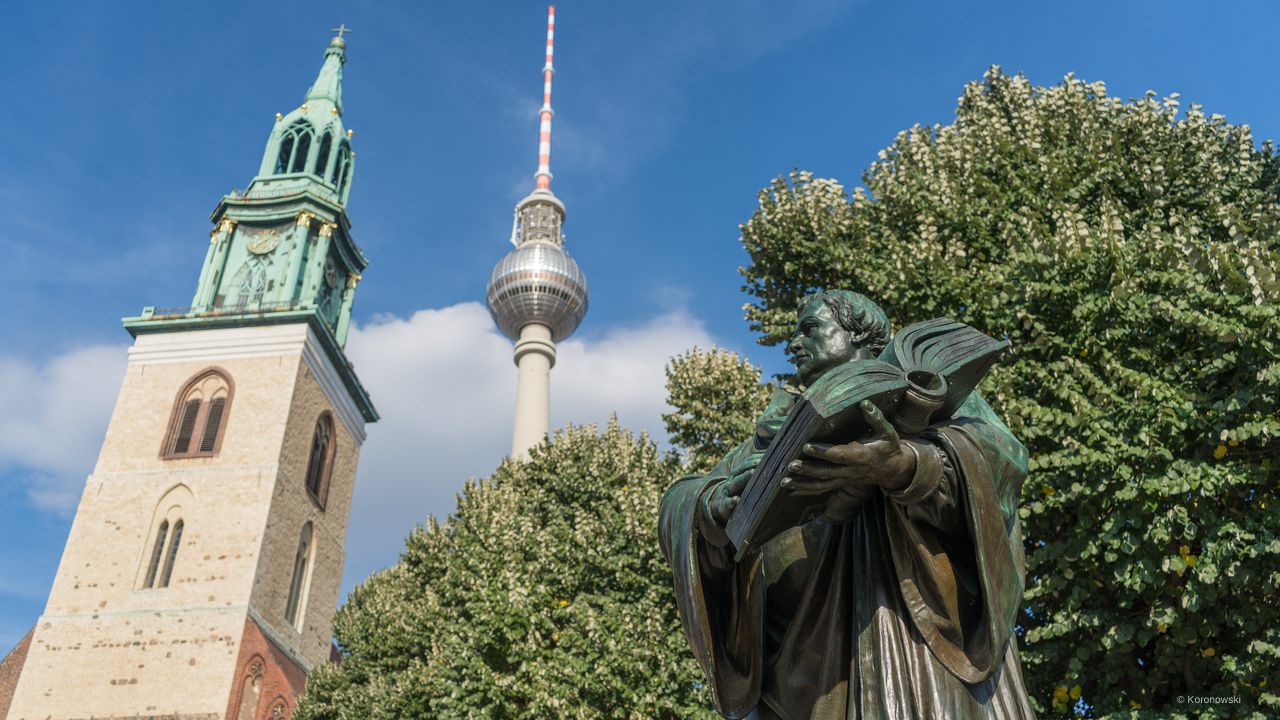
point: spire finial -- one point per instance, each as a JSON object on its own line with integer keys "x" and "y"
{"x": 543, "y": 176}
{"x": 340, "y": 42}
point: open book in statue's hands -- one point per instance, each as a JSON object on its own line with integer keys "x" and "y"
{"x": 922, "y": 377}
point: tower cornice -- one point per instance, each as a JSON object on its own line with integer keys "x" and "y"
{"x": 278, "y": 207}
{"x": 321, "y": 338}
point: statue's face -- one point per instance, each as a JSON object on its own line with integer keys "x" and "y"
{"x": 819, "y": 343}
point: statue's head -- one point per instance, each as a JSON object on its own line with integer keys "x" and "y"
{"x": 834, "y": 327}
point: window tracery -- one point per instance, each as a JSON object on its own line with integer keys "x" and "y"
{"x": 165, "y": 540}
{"x": 295, "y": 143}
{"x": 199, "y": 416}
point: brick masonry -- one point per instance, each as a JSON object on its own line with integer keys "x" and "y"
{"x": 10, "y": 668}
{"x": 266, "y": 677}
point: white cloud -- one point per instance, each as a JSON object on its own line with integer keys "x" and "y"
{"x": 443, "y": 381}
{"x": 53, "y": 417}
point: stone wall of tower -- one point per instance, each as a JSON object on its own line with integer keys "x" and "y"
{"x": 292, "y": 507}
{"x": 107, "y": 647}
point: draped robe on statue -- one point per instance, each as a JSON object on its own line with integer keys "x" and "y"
{"x": 905, "y": 609}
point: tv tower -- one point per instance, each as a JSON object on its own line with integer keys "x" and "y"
{"x": 537, "y": 294}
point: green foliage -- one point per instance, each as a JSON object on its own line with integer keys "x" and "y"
{"x": 716, "y": 397}
{"x": 544, "y": 596}
{"x": 1128, "y": 250}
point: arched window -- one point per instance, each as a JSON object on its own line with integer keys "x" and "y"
{"x": 322, "y": 159}
{"x": 279, "y": 710}
{"x": 250, "y": 689}
{"x": 294, "y": 144}
{"x": 300, "y": 152}
{"x": 294, "y": 607}
{"x": 157, "y": 551}
{"x": 286, "y": 154}
{"x": 175, "y": 540}
{"x": 199, "y": 416}
{"x": 341, "y": 167}
{"x": 165, "y": 540}
{"x": 346, "y": 171}
{"x": 320, "y": 463}
{"x": 343, "y": 151}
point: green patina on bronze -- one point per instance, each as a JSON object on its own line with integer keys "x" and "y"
{"x": 281, "y": 251}
{"x": 899, "y": 601}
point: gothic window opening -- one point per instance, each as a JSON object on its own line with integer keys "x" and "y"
{"x": 165, "y": 540}
{"x": 187, "y": 426}
{"x": 343, "y": 150}
{"x": 199, "y": 416}
{"x": 157, "y": 552}
{"x": 346, "y": 171}
{"x": 250, "y": 689}
{"x": 295, "y": 143}
{"x": 300, "y": 152}
{"x": 322, "y": 160}
{"x": 342, "y": 181}
{"x": 286, "y": 154}
{"x": 341, "y": 167}
{"x": 320, "y": 463}
{"x": 175, "y": 540}
{"x": 209, "y": 438}
{"x": 301, "y": 579}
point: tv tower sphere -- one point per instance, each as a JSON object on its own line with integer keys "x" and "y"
{"x": 538, "y": 282}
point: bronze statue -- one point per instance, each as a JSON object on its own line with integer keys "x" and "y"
{"x": 899, "y": 600}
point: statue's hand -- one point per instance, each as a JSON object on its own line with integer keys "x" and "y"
{"x": 878, "y": 461}
{"x": 724, "y": 498}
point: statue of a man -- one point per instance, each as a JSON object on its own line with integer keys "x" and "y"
{"x": 899, "y": 601}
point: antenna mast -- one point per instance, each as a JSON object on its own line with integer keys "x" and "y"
{"x": 544, "y": 132}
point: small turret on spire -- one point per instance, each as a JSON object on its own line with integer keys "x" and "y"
{"x": 328, "y": 84}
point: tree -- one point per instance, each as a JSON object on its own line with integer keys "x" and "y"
{"x": 1128, "y": 251}
{"x": 544, "y": 595}
{"x": 716, "y": 397}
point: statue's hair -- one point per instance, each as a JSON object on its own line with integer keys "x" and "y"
{"x": 856, "y": 313}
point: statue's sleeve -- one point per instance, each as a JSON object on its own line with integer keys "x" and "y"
{"x": 956, "y": 542}
{"x": 721, "y": 602}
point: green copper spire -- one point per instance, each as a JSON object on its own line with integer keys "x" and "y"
{"x": 281, "y": 251}
{"x": 309, "y": 144}
{"x": 328, "y": 85}
{"x": 284, "y": 242}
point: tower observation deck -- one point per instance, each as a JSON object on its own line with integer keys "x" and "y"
{"x": 537, "y": 294}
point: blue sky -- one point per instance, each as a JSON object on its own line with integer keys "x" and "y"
{"x": 121, "y": 124}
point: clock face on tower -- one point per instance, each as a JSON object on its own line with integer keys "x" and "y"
{"x": 261, "y": 241}
{"x": 330, "y": 273}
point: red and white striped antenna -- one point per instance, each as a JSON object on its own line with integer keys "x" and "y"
{"x": 543, "y": 175}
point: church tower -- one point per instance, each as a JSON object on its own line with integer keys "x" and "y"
{"x": 537, "y": 294}
{"x": 204, "y": 563}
